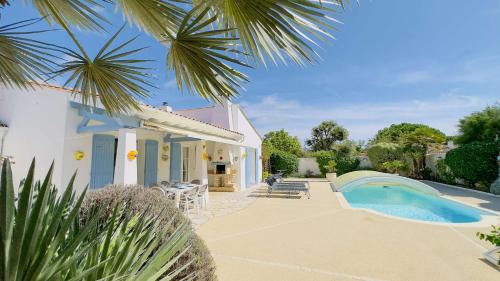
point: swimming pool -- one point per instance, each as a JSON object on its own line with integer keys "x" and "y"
{"x": 407, "y": 202}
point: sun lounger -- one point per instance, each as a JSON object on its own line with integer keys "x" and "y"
{"x": 287, "y": 186}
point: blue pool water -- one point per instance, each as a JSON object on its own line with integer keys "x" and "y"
{"x": 404, "y": 202}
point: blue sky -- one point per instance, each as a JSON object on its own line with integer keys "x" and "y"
{"x": 423, "y": 61}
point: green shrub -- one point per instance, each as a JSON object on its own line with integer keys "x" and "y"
{"x": 323, "y": 158}
{"x": 493, "y": 237}
{"x": 43, "y": 237}
{"x": 331, "y": 167}
{"x": 474, "y": 162}
{"x": 443, "y": 172}
{"x": 284, "y": 161}
{"x": 138, "y": 200}
{"x": 265, "y": 175}
{"x": 346, "y": 165}
{"x": 384, "y": 152}
{"x": 393, "y": 166}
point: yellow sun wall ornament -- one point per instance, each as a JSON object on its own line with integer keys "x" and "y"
{"x": 79, "y": 155}
{"x": 132, "y": 155}
{"x": 205, "y": 156}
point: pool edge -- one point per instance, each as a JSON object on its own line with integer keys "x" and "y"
{"x": 486, "y": 220}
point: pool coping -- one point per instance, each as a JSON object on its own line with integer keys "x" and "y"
{"x": 485, "y": 221}
{"x": 460, "y": 188}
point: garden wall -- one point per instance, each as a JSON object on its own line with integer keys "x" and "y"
{"x": 308, "y": 164}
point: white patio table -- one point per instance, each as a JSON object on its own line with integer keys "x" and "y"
{"x": 179, "y": 189}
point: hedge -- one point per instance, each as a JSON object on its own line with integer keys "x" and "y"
{"x": 474, "y": 162}
{"x": 323, "y": 157}
{"x": 138, "y": 200}
{"x": 281, "y": 160}
{"x": 347, "y": 164}
{"x": 384, "y": 152}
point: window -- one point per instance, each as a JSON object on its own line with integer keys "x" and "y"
{"x": 185, "y": 164}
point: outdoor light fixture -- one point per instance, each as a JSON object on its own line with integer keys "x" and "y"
{"x": 79, "y": 155}
{"x": 132, "y": 155}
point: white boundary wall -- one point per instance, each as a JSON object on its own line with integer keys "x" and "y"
{"x": 308, "y": 164}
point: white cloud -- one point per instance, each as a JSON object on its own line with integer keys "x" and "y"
{"x": 363, "y": 119}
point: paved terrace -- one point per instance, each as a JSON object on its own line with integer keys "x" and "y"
{"x": 281, "y": 238}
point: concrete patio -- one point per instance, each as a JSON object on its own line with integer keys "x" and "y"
{"x": 281, "y": 238}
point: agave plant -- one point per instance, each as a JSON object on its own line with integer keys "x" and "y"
{"x": 42, "y": 239}
{"x": 205, "y": 41}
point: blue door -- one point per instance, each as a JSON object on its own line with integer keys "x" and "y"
{"x": 103, "y": 159}
{"x": 151, "y": 163}
{"x": 175, "y": 162}
{"x": 248, "y": 167}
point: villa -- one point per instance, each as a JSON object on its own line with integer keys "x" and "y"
{"x": 216, "y": 145}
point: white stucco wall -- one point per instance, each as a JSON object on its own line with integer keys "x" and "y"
{"x": 215, "y": 115}
{"x": 42, "y": 124}
{"x": 308, "y": 164}
{"x": 35, "y": 130}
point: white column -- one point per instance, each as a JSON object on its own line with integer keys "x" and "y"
{"x": 241, "y": 167}
{"x": 125, "y": 169}
{"x": 201, "y": 165}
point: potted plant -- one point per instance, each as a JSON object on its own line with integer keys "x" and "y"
{"x": 331, "y": 170}
{"x": 493, "y": 237}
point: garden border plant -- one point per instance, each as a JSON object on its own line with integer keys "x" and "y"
{"x": 43, "y": 237}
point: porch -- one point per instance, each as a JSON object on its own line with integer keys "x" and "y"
{"x": 153, "y": 146}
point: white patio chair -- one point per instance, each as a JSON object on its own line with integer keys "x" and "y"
{"x": 202, "y": 198}
{"x": 164, "y": 185}
{"x": 190, "y": 198}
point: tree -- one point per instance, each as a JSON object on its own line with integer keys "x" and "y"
{"x": 205, "y": 42}
{"x": 480, "y": 126}
{"x": 382, "y": 152}
{"x": 282, "y": 141}
{"x": 414, "y": 140}
{"x": 399, "y": 133}
{"x": 326, "y": 135}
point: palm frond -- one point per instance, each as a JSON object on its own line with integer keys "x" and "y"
{"x": 112, "y": 77}
{"x": 81, "y": 13}
{"x": 157, "y": 17}
{"x": 198, "y": 56}
{"x": 24, "y": 61}
{"x": 277, "y": 30}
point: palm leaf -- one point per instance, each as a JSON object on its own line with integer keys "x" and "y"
{"x": 198, "y": 56}
{"x": 111, "y": 78}
{"x": 276, "y": 30}
{"x": 157, "y": 17}
{"x": 81, "y": 13}
{"x": 24, "y": 61}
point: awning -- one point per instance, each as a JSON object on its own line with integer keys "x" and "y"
{"x": 154, "y": 118}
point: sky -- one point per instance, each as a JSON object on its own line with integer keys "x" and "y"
{"x": 424, "y": 61}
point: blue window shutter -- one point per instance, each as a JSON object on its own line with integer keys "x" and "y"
{"x": 175, "y": 162}
{"x": 103, "y": 158}
{"x": 151, "y": 163}
{"x": 248, "y": 163}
